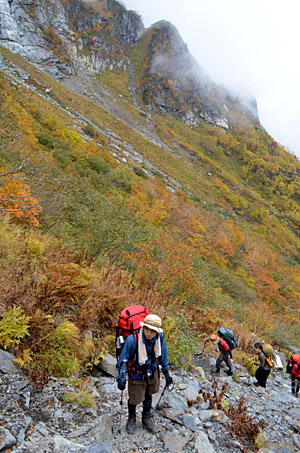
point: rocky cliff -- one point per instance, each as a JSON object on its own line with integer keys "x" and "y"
{"x": 67, "y": 37}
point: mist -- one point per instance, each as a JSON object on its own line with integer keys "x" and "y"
{"x": 250, "y": 47}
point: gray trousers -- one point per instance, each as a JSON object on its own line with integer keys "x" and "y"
{"x": 224, "y": 357}
{"x": 295, "y": 384}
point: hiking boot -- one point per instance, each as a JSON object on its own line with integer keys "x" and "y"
{"x": 229, "y": 372}
{"x": 148, "y": 423}
{"x": 131, "y": 424}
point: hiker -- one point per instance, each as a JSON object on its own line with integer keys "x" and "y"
{"x": 293, "y": 367}
{"x": 264, "y": 367}
{"x": 140, "y": 361}
{"x": 225, "y": 356}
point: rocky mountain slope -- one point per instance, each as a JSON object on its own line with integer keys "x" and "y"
{"x": 35, "y": 421}
{"x": 72, "y": 37}
{"x": 154, "y": 186}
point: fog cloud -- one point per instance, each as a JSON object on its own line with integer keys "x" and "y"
{"x": 250, "y": 47}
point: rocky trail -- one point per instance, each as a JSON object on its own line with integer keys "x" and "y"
{"x": 42, "y": 421}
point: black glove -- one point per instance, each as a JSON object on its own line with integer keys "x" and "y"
{"x": 169, "y": 380}
{"x": 121, "y": 383}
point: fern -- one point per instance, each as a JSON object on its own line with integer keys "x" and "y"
{"x": 13, "y": 327}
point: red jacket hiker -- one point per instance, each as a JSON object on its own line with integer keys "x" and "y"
{"x": 295, "y": 372}
{"x": 226, "y": 354}
{"x": 223, "y": 346}
{"x": 293, "y": 367}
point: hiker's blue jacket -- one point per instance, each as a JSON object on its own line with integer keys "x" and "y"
{"x": 135, "y": 370}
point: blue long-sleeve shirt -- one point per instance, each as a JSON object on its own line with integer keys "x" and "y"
{"x": 129, "y": 351}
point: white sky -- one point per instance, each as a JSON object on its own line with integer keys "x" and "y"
{"x": 249, "y": 45}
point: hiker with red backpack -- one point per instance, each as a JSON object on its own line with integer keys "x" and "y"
{"x": 225, "y": 356}
{"x": 141, "y": 354}
{"x": 293, "y": 367}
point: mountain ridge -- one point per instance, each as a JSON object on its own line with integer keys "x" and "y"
{"x": 68, "y": 37}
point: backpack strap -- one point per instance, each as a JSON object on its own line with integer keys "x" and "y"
{"x": 131, "y": 362}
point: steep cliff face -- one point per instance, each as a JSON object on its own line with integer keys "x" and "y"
{"x": 172, "y": 81}
{"x": 60, "y": 36}
{"x": 67, "y": 37}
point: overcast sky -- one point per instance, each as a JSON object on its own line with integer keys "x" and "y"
{"x": 249, "y": 45}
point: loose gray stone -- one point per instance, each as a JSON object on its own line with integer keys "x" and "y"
{"x": 191, "y": 392}
{"x": 82, "y": 430}
{"x": 295, "y": 412}
{"x": 211, "y": 435}
{"x": 167, "y": 413}
{"x": 296, "y": 440}
{"x": 110, "y": 388}
{"x": 103, "y": 430}
{"x": 20, "y": 385}
{"x": 99, "y": 448}
{"x": 109, "y": 365}
{"x": 211, "y": 414}
{"x": 62, "y": 445}
{"x": 201, "y": 372}
{"x": 6, "y": 439}
{"x": 202, "y": 444}
{"x": 174, "y": 401}
{"x": 6, "y": 363}
{"x": 189, "y": 422}
{"x": 175, "y": 443}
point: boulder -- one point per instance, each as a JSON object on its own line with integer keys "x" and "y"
{"x": 192, "y": 390}
{"x": 202, "y": 444}
{"x": 174, "y": 401}
{"x": 175, "y": 442}
{"x": 108, "y": 365}
{"x": 6, "y": 439}
{"x": 6, "y": 363}
{"x": 103, "y": 430}
{"x": 62, "y": 445}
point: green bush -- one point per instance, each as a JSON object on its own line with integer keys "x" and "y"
{"x": 13, "y": 327}
{"x": 52, "y": 142}
{"x": 98, "y": 165}
{"x": 64, "y": 350}
{"x": 91, "y": 131}
{"x": 82, "y": 397}
{"x": 181, "y": 339}
{"x": 140, "y": 172}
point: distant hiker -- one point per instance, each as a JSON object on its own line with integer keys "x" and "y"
{"x": 264, "y": 366}
{"x": 139, "y": 358}
{"x": 293, "y": 367}
{"x": 225, "y": 356}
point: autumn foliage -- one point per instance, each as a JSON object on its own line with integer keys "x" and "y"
{"x": 15, "y": 197}
{"x": 203, "y": 230}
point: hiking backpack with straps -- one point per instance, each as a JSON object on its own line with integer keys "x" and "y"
{"x": 295, "y": 359}
{"x": 229, "y": 337}
{"x": 269, "y": 352}
{"x": 129, "y": 323}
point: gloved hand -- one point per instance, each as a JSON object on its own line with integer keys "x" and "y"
{"x": 169, "y": 380}
{"x": 121, "y": 383}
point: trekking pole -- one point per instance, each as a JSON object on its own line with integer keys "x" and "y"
{"x": 121, "y": 399}
{"x": 170, "y": 388}
{"x": 121, "y": 404}
{"x": 205, "y": 341}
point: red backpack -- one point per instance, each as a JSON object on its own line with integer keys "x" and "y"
{"x": 295, "y": 359}
{"x": 129, "y": 323}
